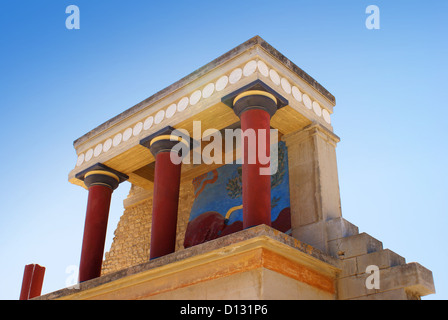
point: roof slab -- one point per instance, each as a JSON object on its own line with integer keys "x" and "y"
{"x": 199, "y": 97}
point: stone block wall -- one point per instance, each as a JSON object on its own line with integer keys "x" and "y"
{"x": 397, "y": 280}
{"x": 131, "y": 241}
{"x": 132, "y": 237}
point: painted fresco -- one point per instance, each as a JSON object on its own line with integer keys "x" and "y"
{"x": 217, "y": 209}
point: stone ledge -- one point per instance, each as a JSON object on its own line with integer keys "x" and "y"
{"x": 237, "y": 243}
{"x": 355, "y": 245}
{"x": 383, "y": 259}
{"x": 412, "y": 279}
{"x": 338, "y": 228}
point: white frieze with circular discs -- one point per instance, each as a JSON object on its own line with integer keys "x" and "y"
{"x": 263, "y": 68}
{"x": 286, "y": 86}
{"x": 274, "y": 76}
{"x": 98, "y": 149}
{"x": 195, "y": 97}
{"x": 307, "y": 101}
{"x": 208, "y": 90}
{"x": 127, "y": 134}
{"x": 296, "y": 93}
{"x": 89, "y": 154}
{"x": 148, "y": 123}
{"x": 117, "y": 139}
{"x": 235, "y": 75}
{"x": 326, "y": 116}
{"x": 159, "y": 116}
{"x": 221, "y": 83}
{"x": 137, "y": 129}
{"x": 171, "y": 110}
{"x": 250, "y": 68}
{"x": 107, "y": 145}
{"x": 182, "y": 104}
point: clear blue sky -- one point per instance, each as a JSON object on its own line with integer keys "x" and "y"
{"x": 57, "y": 84}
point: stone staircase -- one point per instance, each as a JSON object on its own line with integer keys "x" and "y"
{"x": 398, "y": 280}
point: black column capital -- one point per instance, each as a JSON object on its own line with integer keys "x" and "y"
{"x": 255, "y": 95}
{"x": 255, "y": 99}
{"x": 100, "y": 174}
{"x": 165, "y": 140}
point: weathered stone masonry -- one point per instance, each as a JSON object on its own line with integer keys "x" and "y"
{"x": 132, "y": 237}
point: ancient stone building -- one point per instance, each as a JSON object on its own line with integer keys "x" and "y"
{"x": 213, "y": 226}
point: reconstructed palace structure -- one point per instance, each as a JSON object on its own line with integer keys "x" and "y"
{"x": 220, "y": 228}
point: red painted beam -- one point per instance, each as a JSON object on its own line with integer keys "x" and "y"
{"x": 33, "y": 278}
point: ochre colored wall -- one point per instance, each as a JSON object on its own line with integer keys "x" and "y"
{"x": 132, "y": 238}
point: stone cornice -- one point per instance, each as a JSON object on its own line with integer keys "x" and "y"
{"x": 199, "y": 94}
{"x": 255, "y": 41}
{"x": 214, "y": 252}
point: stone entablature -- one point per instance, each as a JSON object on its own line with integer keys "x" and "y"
{"x": 198, "y": 98}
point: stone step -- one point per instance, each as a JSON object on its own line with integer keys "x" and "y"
{"x": 410, "y": 281}
{"x": 382, "y": 259}
{"x": 340, "y": 228}
{"x": 353, "y": 246}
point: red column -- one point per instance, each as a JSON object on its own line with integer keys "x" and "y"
{"x": 100, "y": 185}
{"x": 95, "y": 227}
{"x": 165, "y": 205}
{"x": 33, "y": 278}
{"x": 255, "y": 109}
{"x": 256, "y": 187}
